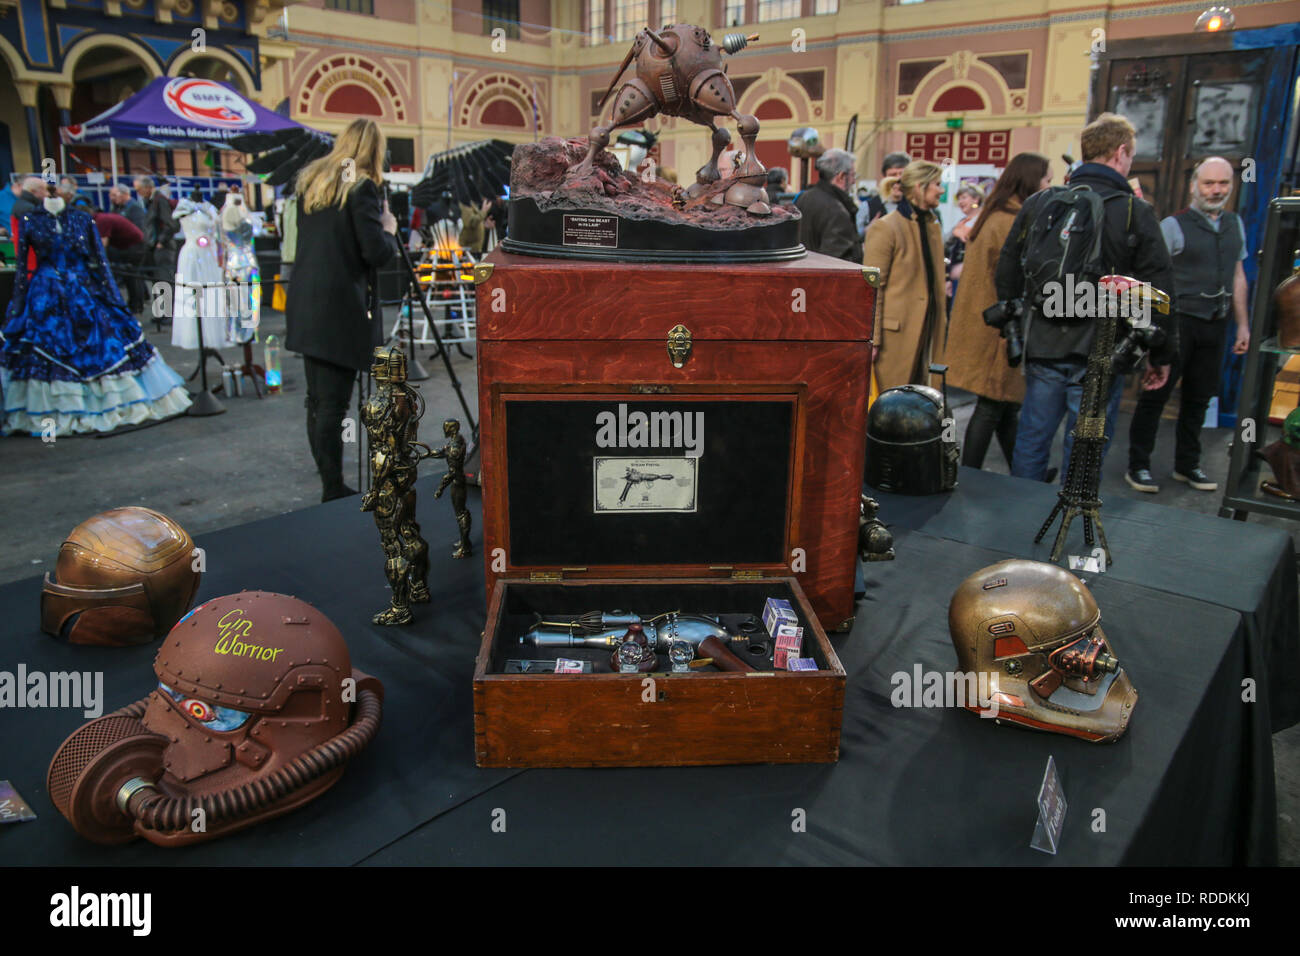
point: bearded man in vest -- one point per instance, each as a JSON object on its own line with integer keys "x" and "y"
{"x": 1207, "y": 243}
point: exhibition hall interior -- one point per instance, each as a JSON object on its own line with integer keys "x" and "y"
{"x": 420, "y": 416}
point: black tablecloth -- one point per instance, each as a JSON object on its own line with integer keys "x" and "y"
{"x": 420, "y": 764}
{"x": 1192, "y": 781}
{"x": 927, "y": 786}
{"x": 1234, "y": 564}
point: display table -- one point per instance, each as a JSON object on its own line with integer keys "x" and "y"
{"x": 1237, "y": 565}
{"x": 1192, "y": 781}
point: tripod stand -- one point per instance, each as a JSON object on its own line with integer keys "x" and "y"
{"x": 1079, "y": 495}
{"x": 1118, "y": 295}
{"x": 414, "y": 284}
{"x": 205, "y": 403}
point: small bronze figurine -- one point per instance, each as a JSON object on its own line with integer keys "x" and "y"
{"x": 875, "y": 541}
{"x": 392, "y": 420}
{"x": 454, "y": 453}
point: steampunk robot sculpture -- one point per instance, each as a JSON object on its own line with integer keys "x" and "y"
{"x": 1079, "y": 495}
{"x": 454, "y": 453}
{"x": 678, "y": 71}
{"x": 392, "y": 420}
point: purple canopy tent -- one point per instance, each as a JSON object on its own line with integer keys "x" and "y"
{"x": 176, "y": 112}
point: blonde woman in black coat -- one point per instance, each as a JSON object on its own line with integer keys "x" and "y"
{"x": 345, "y": 233}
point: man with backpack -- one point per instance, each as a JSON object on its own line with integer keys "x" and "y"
{"x": 1067, "y": 238}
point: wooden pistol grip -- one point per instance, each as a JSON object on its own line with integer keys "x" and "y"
{"x": 723, "y": 659}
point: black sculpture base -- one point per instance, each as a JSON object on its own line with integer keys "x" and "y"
{"x": 574, "y": 233}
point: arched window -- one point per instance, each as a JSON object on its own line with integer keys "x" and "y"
{"x": 958, "y": 98}
{"x": 354, "y": 99}
{"x": 503, "y": 112}
{"x": 773, "y": 109}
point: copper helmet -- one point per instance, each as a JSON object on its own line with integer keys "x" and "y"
{"x": 122, "y": 577}
{"x": 1034, "y": 630}
{"x": 257, "y": 712}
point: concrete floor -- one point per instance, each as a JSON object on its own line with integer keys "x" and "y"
{"x": 253, "y": 462}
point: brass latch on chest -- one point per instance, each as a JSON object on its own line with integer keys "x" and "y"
{"x": 679, "y": 345}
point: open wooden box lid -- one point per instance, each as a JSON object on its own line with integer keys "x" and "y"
{"x": 578, "y": 501}
{"x": 745, "y": 465}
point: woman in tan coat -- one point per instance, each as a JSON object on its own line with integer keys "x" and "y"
{"x": 975, "y": 353}
{"x": 911, "y": 309}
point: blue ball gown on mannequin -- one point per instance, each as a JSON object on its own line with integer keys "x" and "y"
{"x": 74, "y": 359}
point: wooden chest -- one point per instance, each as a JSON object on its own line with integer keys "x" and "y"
{"x": 657, "y": 719}
{"x": 660, "y": 437}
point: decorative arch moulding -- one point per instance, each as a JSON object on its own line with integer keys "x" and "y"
{"x": 774, "y": 108}
{"x": 503, "y": 111}
{"x": 247, "y": 79}
{"x": 937, "y": 89}
{"x": 82, "y": 45}
{"x": 327, "y": 76}
{"x": 959, "y": 98}
{"x": 477, "y": 101}
{"x": 1000, "y": 79}
{"x": 774, "y": 93}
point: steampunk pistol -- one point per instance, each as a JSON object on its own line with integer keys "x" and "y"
{"x": 634, "y": 477}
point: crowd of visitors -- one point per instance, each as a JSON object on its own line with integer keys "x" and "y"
{"x": 937, "y": 291}
{"x": 937, "y": 288}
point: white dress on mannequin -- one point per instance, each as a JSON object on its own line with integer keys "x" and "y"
{"x": 198, "y": 263}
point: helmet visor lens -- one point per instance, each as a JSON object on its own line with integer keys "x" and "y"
{"x": 211, "y": 716}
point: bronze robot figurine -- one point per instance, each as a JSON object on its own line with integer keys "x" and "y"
{"x": 454, "y": 453}
{"x": 392, "y": 419}
{"x": 678, "y": 72}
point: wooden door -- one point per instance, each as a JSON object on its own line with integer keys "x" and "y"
{"x": 1147, "y": 91}
{"x": 1221, "y": 110}
{"x": 1189, "y": 98}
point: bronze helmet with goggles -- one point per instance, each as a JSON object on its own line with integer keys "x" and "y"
{"x": 1034, "y": 631}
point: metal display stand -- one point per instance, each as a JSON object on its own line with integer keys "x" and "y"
{"x": 448, "y": 288}
{"x": 205, "y": 403}
{"x": 252, "y": 371}
{"x": 1078, "y": 497}
{"x": 1241, "y": 493}
{"x": 413, "y": 281}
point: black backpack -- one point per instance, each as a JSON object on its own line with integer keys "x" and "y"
{"x": 1065, "y": 239}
